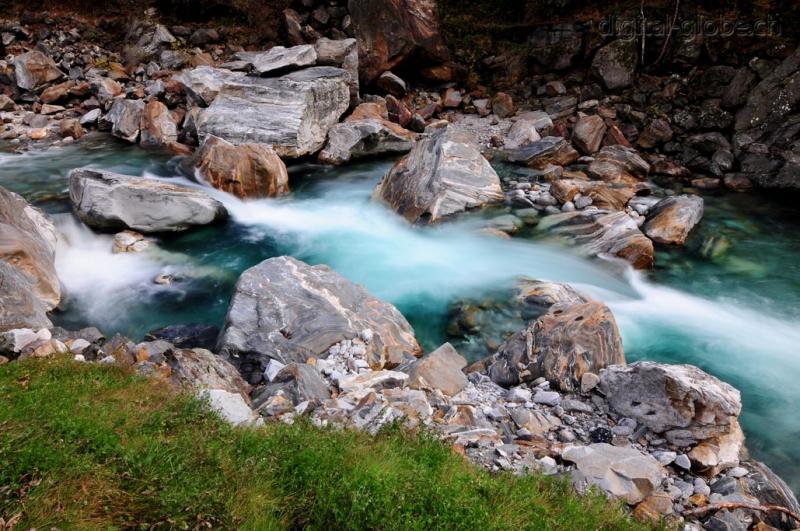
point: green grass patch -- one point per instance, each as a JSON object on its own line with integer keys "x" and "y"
{"x": 95, "y": 447}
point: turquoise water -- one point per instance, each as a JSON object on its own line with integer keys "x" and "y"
{"x": 727, "y": 303}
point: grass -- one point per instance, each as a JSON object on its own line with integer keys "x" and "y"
{"x": 95, "y": 447}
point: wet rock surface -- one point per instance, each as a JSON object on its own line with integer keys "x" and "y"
{"x": 443, "y": 174}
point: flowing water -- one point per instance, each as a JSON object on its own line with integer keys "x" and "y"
{"x": 729, "y": 302}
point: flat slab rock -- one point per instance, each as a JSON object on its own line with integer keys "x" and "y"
{"x": 443, "y": 174}
{"x": 622, "y": 472}
{"x": 112, "y": 201}
{"x": 598, "y": 232}
{"x": 292, "y": 113}
{"x": 280, "y": 59}
{"x": 287, "y": 310}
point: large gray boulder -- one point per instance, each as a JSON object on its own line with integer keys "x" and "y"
{"x": 602, "y": 232}
{"x": 111, "y": 201}
{"x": 443, "y": 174}
{"x": 365, "y": 138}
{"x": 292, "y": 113}
{"x": 624, "y": 473}
{"x": 573, "y": 336}
{"x": 125, "y": 119}
{"x": 287, "y": 310}
{"x": 666, "y": 398}
{"x": 671, "y": 220}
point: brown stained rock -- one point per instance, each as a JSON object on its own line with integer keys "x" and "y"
{"x": 573, "y": 337}
{"x": 246, "y": 171}
{"x": 452, "y": 98}
{"x": 545, "y": 152}
{"x": 719, "y": 453}
{"x": 355, "y": 139}
{"x": 503, "y": 105}
{"x": 392, "y": 32}
{"x": 71, "y": 127}
{"x": 614, "y": 136}
{"x": 600, "y": 232}
{"x": 671, "y": 220}
{"x": 441, "y": 369}
{"x": 157, "y": 127}
{"x": 588, "y": 134}
{"x": 370, "y": 110}
{"x": 611, "y": 196}
{"x": 397, "y": 111}
{"x": 619, "y": 164}
{"x": 56, "y": 92}
{"x": 34, "y": 69}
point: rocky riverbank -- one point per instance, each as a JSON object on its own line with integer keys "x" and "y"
{"x": 606, "y": 159}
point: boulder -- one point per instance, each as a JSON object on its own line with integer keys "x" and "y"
{"x": 588, "y": 133}
{"x": 34, "y": 69}
{"x": 111, "y": 201}
{"x": 231, "y": 407}
{"x": 443, "y": 174}
{"x": 602, "y": 232}
{"x": 671, "y": 219}
{"x": 157, "y": 127}
{"x": 145, "y": 41}
{"x": 575, "y": 336}
{"x": 392, "y": 32}
{"x": 766, "y": 128}
{"x": 614, "y": 64}
{"x": 540, "y": 154}
{"x": 30, "y": 285}
{"x": 202, "y": 84}
{"x": 187, "y": 336}
{"x": 441, "y": 369}
{"x": 624, "y": 473}
{"x": 522, "y": 133}
{"x": 355, "y": 139}
{"x": 618, "y": 163}
{"x": 503, "y": 105}
{"x": 205, "y": 370}
{"x": 287, "y": 310}
{"x": 279, "y": 59}
{"x": 666, "y": 398}
{"x": 293, "y": 113}
{"x": 611, "y": 196}
{"x": 246, "y": 171}
{"x": 392, "y": 84}
{"x": 126, "y": 117}
{"x": 299, "y": 382}
{"x": 342, "y": 53}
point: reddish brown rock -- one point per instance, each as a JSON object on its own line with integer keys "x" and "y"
{"x": 71, "y": 127}
{"x": 619, "y": 164}
{"x": 670, "y": 221}
{"x": 452, "y": 98}
{"x": 599, "y": 232}
{"x": 657, "y": 132}
{"x": 398, "y": 112}
{"x": 576, "y": 335}
{"x": 56, "y": 92}
{"x": 246, "y": 171}
{"x": 34, "y": 69}
{"x": 588, "y": 133}
{"x": 392, "y": 32}
{"x": 503, "y": 105}
{"x": 157, "y": 127}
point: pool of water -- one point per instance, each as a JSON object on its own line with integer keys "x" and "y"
{"x": 728, "y": 302}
